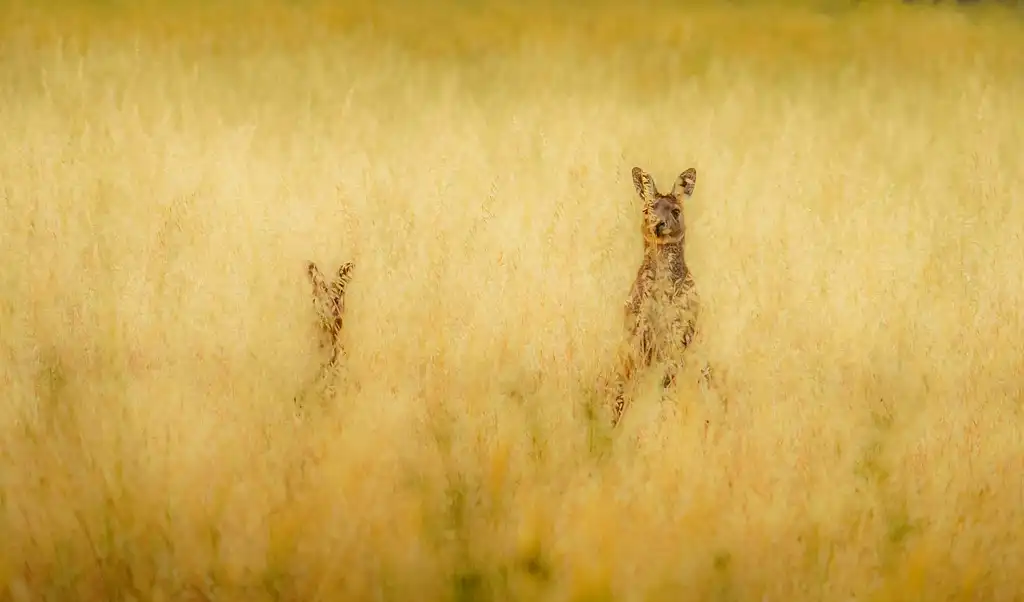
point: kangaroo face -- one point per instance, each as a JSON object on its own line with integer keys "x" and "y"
{"x": 663, "y": 213}
{"x": 664, "y": 220}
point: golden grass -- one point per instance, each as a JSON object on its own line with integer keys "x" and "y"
{"x": 855, "y": 235}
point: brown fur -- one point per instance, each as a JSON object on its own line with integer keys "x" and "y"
{"x": 663, "y": 306}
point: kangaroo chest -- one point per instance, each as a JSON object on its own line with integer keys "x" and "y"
{"x": 667, "y": 275}
{"x": 671, "y": 299}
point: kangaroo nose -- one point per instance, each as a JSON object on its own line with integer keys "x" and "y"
{"x": 659, "y": 229}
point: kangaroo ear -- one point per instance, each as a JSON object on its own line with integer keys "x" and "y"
{"x": 315, "y": 277}
{"x": 644, "y": 184}
{"x": 345, "y": 272}
{"x": 685, "y": 184}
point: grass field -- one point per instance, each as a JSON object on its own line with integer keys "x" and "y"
{"x": 855, "y": 235}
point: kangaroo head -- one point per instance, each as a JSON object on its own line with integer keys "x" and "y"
{"x": 663, "y": 213}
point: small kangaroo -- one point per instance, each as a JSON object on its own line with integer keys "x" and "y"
{"x": 663, "y": 306}
{"x": 329, "y": 301}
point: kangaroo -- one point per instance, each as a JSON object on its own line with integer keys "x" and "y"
{"x": 663, "y": 306}
{"x": 329, "y": 302}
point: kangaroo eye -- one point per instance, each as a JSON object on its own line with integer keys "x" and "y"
{"x": 675, "y": 213}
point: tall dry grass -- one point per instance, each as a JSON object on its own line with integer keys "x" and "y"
{"x": 855, "y": 235}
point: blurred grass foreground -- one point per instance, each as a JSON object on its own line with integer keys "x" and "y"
{"x": 855, "y": 234}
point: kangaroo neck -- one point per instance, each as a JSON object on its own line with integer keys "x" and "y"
{"x": 667, "y": 259}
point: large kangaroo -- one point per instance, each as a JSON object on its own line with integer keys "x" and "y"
{"x": 663, "y": 305}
